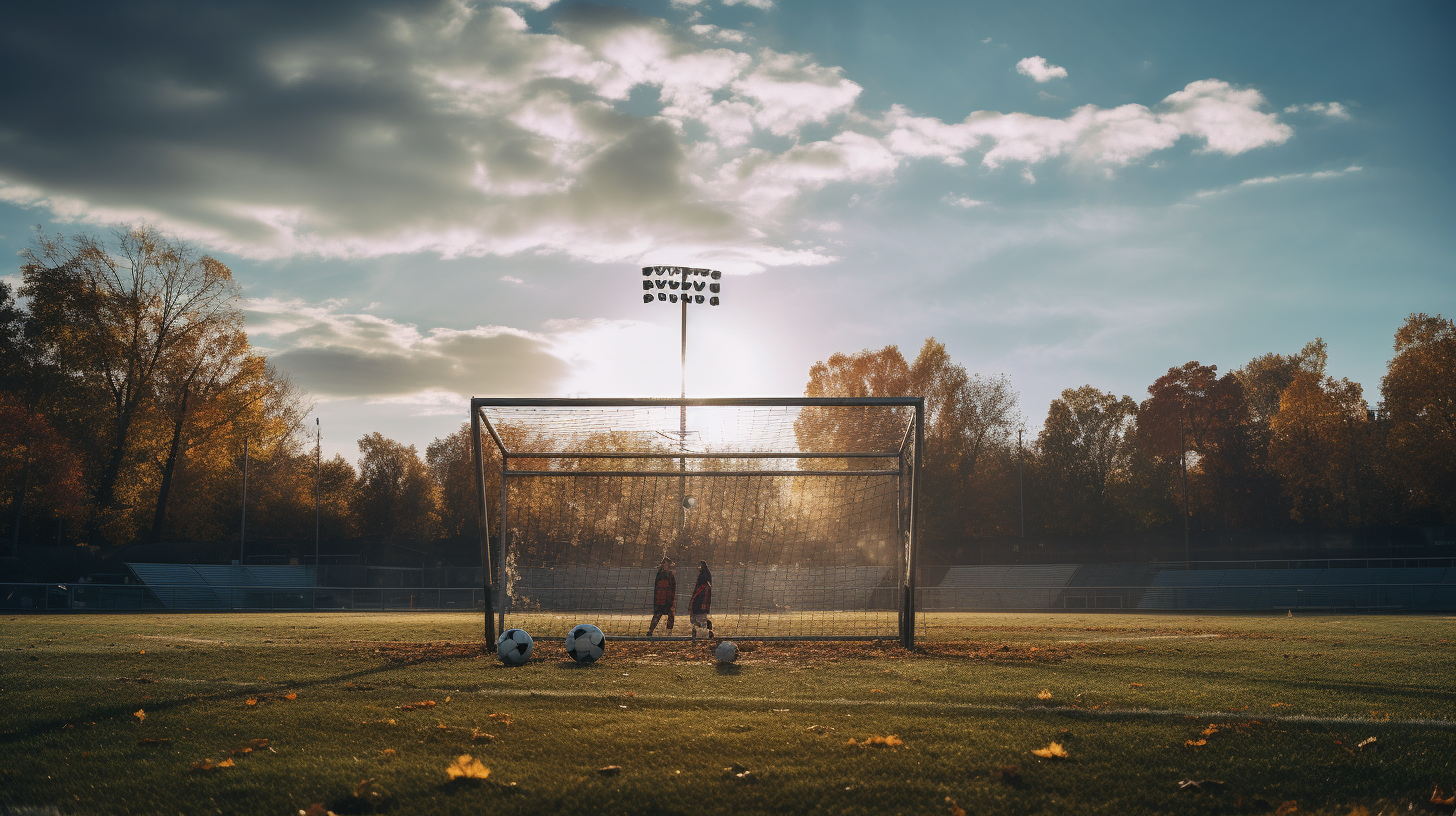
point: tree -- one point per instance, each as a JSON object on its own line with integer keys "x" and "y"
{"x": 1315, "y": 448}
{"x": 113, "y": 318}
{"x": 1084, "y": 446}
{"x": 1193, "y": 412}
{"x": 397, "y": 499}
{"x": 1265, "y": 377}
{"x": 1419, "y": 408}
{"x": 38, "y": 465}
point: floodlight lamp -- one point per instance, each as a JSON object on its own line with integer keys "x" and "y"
{"x": 712, "y": 301}
{"x": 647, "y": 298}
{"x": 715, "y": 287}
{"x": 717, "y": 274}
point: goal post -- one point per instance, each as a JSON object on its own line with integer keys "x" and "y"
{"x": 804, "y": 511}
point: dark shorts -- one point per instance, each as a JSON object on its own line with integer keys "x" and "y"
{"x": 662, "y": 609}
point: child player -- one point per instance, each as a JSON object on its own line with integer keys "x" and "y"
{"x": 702, "y": 602}
{"x": 664, "y": 596}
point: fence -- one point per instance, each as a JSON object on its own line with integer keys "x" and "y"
{"x": 173, "y": 598}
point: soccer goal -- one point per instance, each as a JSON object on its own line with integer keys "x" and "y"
{"x": 803, "y": 510}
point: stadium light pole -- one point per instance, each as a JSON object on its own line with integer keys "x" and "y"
{"x": 682, "y": 285}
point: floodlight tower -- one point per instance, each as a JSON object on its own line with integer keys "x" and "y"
{"x": 684, "y": 285}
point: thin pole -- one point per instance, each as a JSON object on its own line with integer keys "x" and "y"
{"x": 1183, "y": 467}
{"x": 243, "y": 529}
{"x": 907, "y": 635}
{"x": 318, "y": 477}
{"x": 682, "y": 417}
{"x": 1021, "y": 480}
{"x": 483, "y": 517}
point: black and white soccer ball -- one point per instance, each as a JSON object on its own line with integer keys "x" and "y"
{"x": 727, "y": 652}
{"x": 514, "y": 647}
{"x": 690, "y": 502}
{"x": 585, "y": 643}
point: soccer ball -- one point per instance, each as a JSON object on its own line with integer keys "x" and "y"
{"x": 727, "y": 652}
{"x": 585, "y": 643}
{"x": 514, "y": 647}
{"x": 690, "y": 502}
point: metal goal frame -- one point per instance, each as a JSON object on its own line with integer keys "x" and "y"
{"x": 912, "y": 444}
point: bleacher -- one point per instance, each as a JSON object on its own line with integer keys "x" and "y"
{"x": 1375, "y": 588}
{"x": 998, "y": 587}
{"x": 217, "y": 586}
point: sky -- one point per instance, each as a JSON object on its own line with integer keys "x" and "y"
{"x": 428, "y": 201}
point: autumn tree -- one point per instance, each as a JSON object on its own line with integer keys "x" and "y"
{"x": 113, "y": 318}
{"x": 1315, "y": 448}
{"x": 1085, "y": 446}
{"x": 1419, "y": 408}
{"x": 396, "y": 497}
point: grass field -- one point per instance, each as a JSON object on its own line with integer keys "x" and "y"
{"x": 1275, "y": 708}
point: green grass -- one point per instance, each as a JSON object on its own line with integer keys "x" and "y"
{"x": 1291, "y": 697}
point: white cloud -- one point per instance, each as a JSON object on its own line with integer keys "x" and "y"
{"x": 1040, "y": 70}
{"x": 462, "y": 132}
{"x": 763, "y": 5}
{"x": 1333, "y": 110}
{"x": 964, "y": 202}
{"x": 511, "y": 279}
{"x": 1264, "y": 180}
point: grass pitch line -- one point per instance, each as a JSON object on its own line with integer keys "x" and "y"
{"x": 1145, "y": 637}
{"x": 986, "y": 708}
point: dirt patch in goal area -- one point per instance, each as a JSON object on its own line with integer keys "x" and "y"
{"x": 796, "y": 652}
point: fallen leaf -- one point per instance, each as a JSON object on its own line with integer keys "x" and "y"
{"x": 953, "y": 808}
{"x": 140, "y": 715}
{"x": 389, "y": 753}
{"x": 1043, "y": 695}
{"x": 1194, "y": 743}
{"x": 504, "y": 718}
{"x": 1052, "y": 751}
{"x": 476, "y": 735}
{"x": 252, "y": 701}
{"x": 610, "y": 770}
{"x": 1277, "y": 705}
{"x": 1135, "y": 685}
{"x": 415, "y": 706}
{"x": 1368, "y": 742}
{"x": 292, "y": 695}
{"x": 447, "y": 699}
{"x": 1287, "y": 808}
{"x": 889, "y": 742}
{"x": 466, "y": 767}
{"x": 1439, "y": 797}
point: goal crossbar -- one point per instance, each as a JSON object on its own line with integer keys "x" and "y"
{"x": 639, "y": 449}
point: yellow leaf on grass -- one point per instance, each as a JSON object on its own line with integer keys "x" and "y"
{"x": 1195, "y": 743}
{"x": 414, "y": 706}
{"x": 1439, "y": 798}
{"x": 447, "y": 699}
{"x": 389, "y": 753}
{"x": 1043, "y": 695}
{"x": 140, "y": 714}
{"x": 504, "y": 718}
{"x": 874, "y": 739}
{"x": 1052, "y": 751}
{"x": 466, "y": 767}
{"x": 292, "y": 695}
{"x": 1135, "y": 685}
{"x": 1276, "y": 705}
{"x": 252, "y": 701}
{"x": 227, "y": 763}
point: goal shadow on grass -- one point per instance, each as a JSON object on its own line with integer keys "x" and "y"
{"x": 121, "y": 712}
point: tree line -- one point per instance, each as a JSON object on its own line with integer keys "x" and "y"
{"x": 128, "y": 388}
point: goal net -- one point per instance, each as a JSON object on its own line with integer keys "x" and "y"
{"x": 801, "y": 509}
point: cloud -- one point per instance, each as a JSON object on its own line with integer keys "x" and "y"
{"x": 1229, "y": 120}
{"x": 963, "y": 202}
{"x": 457, "y": 129}
{"x": 1264, "y": 180}
{"x": 338, "y": 354}
{"x": 511, "y": 279}
{"x": 1040, "y": 70}
{"x": 1333, "y": 110}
